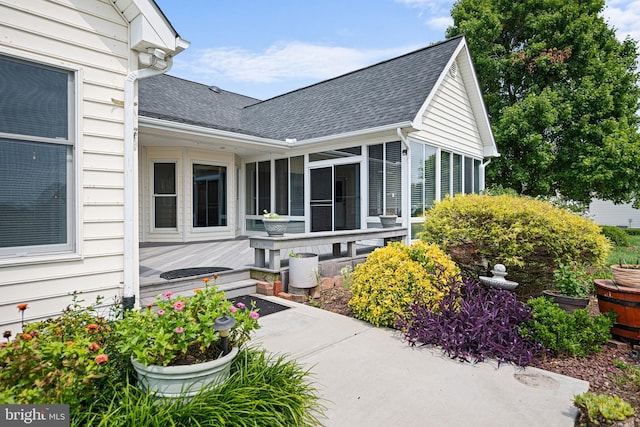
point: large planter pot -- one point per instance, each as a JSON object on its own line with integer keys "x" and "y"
{"x": 275, "y": 226}
{"x": 184, "y": 381}
{"x": 568, "y": 304}
{"x": 629, "y": 277}
{"x": 303, "y": 270}
{"x": 388, "y": 221}
{"x": 625, "y": 301}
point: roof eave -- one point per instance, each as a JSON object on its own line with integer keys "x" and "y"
{"x": 355, "y": 134}
{"x": 169, "y": 125}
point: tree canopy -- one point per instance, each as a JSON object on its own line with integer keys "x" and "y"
{"x": 562, "y": 94}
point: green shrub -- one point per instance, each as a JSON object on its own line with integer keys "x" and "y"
{"x": 263, "y": 390}
{"x": 68, "y": 359}
{"x": 528, "y": 236}
{"x": 565, "y": 334}
{"x": 616, "y": 235}
{"x": 632, "y": 231}
{"x": 602, "y": 408}
{"x": 387, "y": 283}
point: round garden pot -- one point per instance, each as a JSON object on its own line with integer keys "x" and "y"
{"x": 629, "y": 277}
{"x": 276, "y": 226}
{"x": 388, "y": 221}
{"x": 303, "y": 270}
{"x": 184, "y": 381}
{"x": 625, "y": 301}
{"x": 568, "y": 304}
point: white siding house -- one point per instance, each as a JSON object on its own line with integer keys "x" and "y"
{"x": 63, "y": 67}
{"x": 605, "y": 212}
{"x": 85, "y": 176}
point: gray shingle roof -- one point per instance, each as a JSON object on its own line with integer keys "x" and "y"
{"x": 171, "y": 98}
{"x": 385, "y": 93}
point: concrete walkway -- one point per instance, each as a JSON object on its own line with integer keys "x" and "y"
{"x": 369, "y": 377}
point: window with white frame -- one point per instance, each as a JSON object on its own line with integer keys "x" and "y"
{"x": 37, "y": 140}
{"x": 423, "y": 178}
{"x": 457, "y": 174}
{"x": 385, "y": 179}
{"x": 287, "y": 175}
{"x": 165, "y": 199}
{"x": 209, "y": 196}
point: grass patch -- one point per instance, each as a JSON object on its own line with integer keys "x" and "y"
{"x": 263, "y": 390}
{"x": 629, "y": 254}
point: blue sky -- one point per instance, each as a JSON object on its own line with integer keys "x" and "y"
{"x": 265, "y": 48}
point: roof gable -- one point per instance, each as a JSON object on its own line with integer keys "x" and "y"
{"x": 386, "y": 93}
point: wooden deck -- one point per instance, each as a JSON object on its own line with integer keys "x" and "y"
{"x": 236, "y": 254}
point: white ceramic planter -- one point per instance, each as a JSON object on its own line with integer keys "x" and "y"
{"x": 184, "y": 381}
{"x": 303, "y": 270}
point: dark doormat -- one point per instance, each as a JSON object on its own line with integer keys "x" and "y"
{"x": 187, "y": 272}
{"x": 266, "y": 307}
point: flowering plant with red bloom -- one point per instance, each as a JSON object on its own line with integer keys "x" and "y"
{"x": 60, "y": 360}
{"x": 179, "y": 330}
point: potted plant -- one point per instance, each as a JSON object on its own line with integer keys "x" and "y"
{"x": 273, "y": 224}
{"x": 626, "y": 274}
{"x": 389, "y": 220}
{"x": 572, "y": 286}
{"x": 183, "y": 344}
{"x": 303, "y": 270}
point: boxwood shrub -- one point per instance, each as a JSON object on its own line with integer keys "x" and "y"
{"x": 528, "y": 236}
{"x": 616, "y": 235}
{"x": 387, "y": 283}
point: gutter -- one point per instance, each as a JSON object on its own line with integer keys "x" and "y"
{"x": 482, "y": 168}
{"x": 157, "y": 64}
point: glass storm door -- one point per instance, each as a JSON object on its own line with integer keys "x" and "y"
{"x": 335, "y": 197}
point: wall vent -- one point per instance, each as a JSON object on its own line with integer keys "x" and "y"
{"x": 453, "y": 71}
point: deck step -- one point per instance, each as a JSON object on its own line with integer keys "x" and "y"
{"x": 233, "y": 282}
{"x": 240, "y": 288}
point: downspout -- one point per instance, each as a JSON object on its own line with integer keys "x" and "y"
{"x": 407, "y": 184}
{"x": 131, "y": 288}
{"x": 482, "y": 168}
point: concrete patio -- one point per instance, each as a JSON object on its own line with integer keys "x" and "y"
{"x": 369, "y": 377}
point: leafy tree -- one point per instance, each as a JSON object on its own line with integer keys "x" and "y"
{"x": 562, "y": 93}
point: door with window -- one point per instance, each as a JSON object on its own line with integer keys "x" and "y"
{"x": 335, "y": 197}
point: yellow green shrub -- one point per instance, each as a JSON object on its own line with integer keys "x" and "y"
{"x": 387, "y": 283}
{"x": 528, "y": 236}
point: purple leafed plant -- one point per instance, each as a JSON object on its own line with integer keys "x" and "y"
{"x": 472, "y": 322}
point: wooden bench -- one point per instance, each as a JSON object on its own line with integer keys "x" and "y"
{"x": 336, "y": 238}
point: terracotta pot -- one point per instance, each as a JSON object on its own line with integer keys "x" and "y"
{"x": 625, "y": 301}
{"x": 568, "y": 304}
{"x": 626, "y": 276}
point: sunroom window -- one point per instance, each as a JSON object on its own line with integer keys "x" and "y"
{"x": 37, "y": 118}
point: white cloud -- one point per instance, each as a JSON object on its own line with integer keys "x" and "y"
{"x": 440, "y": 23}
{"x": 283, "y": 61}
{"x": 624, "y": 16}
{"x": 436, "y": 14}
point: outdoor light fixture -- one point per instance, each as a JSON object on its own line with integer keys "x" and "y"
{"x": 222, "y": 325}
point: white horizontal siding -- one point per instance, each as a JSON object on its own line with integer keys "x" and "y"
{"x": 91, "y": 37}
{"x": 449, "y": 122}
{"x": 605, "y": 212}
